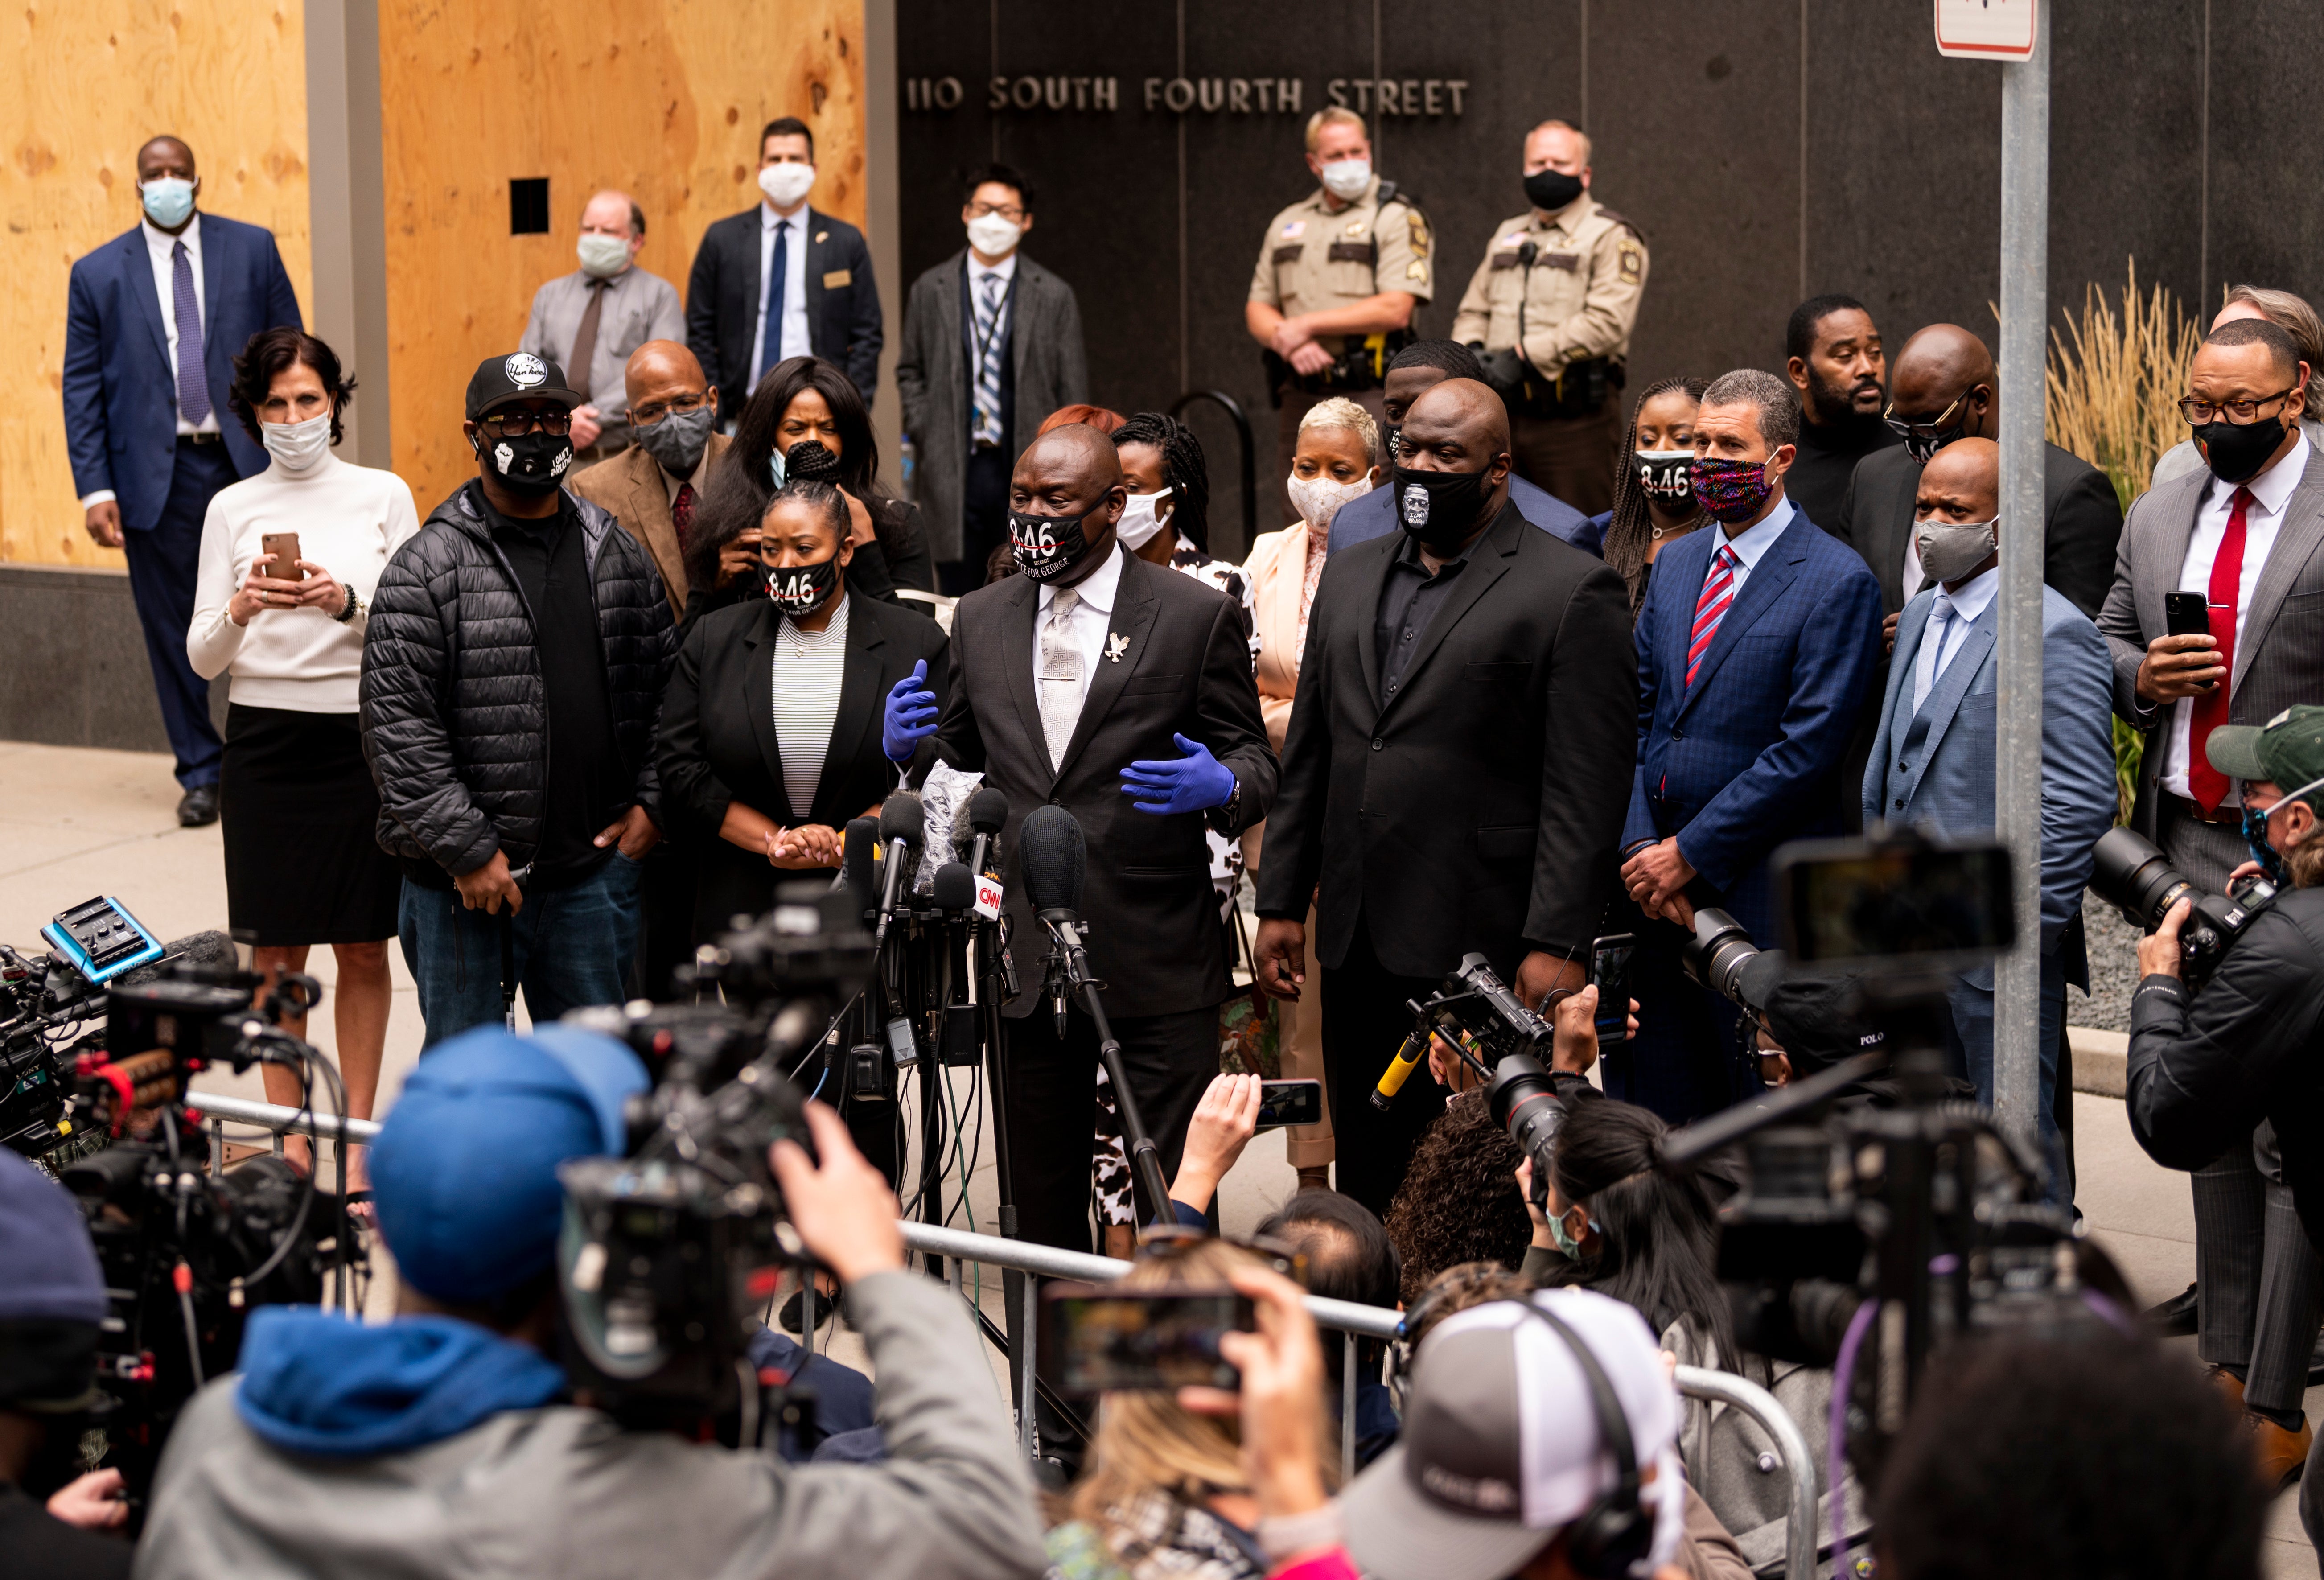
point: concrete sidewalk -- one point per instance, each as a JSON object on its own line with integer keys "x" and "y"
{"x": 75, "y": 822}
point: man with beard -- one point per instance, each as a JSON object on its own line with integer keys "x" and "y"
{"x": 1833, "y": 357}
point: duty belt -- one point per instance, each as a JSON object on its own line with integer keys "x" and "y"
{"x": 1361, "y": 365}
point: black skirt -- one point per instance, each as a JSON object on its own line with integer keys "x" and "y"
{"x": 301, "y": 817}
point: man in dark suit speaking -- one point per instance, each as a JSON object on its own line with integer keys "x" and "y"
{"x": 1456, "y": 771}
{"x": 1122, "y": 692}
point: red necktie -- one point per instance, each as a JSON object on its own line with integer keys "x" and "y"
{"x": 1711, "y": 608}
{"x": 681, "y": 512}
{"x": 2208, "y": 785}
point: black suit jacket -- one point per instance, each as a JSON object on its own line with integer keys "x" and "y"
{"x": 2081, "y": 525}
{"x": 1479, "y": 808}
{"x": 717, "y": 743}
{"x": 722, "y": 303}
{"x": 1184, "y": 668}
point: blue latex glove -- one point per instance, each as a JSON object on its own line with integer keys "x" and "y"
{"x": 911, "y": 715}
{"x": 1193, "y": 783}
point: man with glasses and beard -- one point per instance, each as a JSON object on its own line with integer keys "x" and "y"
{"x": 1833, "y": 356}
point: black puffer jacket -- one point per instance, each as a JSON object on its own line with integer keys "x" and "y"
{"x": 453, "y": 714}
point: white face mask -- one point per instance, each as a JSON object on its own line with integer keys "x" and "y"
{"x": 1318, "y": 499}
{"x": 1344, "y": 179}
{"x": 298, "y": 448}
{"x": 992, "y": 236}
{"x": 785, "y": 184}
{"x": 1141, "y": 519}
{"x": 603, "y": 256}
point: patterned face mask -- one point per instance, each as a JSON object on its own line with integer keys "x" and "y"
{"x": 1730, "y": 490}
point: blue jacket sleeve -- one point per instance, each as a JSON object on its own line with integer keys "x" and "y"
{"x": 281, "y": 300}
{"x": 1839, "y": 645}
{"x": 2079, "y": 790}
{"x": 84, "y": 387}
{"x": 1638, "y": 824}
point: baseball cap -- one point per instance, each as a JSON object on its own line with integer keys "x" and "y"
{"x": 463, "y": 1173}
{"x": 2288, "y": 750}
{"x": 522, "y": 376}
{"x": 53, "y": 1297}
{"x": 1502, "y": 1448}
{"x": 1820, "y": 1020}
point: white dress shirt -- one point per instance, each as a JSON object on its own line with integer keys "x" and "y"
{"x": 157, "y": 246}
{"x": 2271, "y": 491}
{"x": 1086, "y": 627}
{"x": 1967, "y": 607}
{"x": 1750, "y": 544}
{"x": 794, "y": 330}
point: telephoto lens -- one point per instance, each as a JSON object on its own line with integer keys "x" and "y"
{"x": 1525, "y": 1105}
{"x": 2137, "y": 878}
{"x": 1722, "y": 957}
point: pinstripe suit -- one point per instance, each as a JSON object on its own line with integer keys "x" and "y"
{"x": 2259, "y": 1280}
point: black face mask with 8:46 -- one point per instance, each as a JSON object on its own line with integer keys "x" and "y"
{"x": 1047, "y": 548}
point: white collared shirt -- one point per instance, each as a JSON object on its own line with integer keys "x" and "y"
{"x": 2271, "y": 492}
{"x": 1969, "y": 606}
{"x": 159, "y": 245}
{"x": 1751, "y": 543}
{"x": 1086, "y": 626}
{"x": 794, "y": 330}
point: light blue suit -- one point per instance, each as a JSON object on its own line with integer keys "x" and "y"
{"x": 1934, "y": 769}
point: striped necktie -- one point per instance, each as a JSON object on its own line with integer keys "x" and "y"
{"x": 1711, "y": 608}
{"x": 986, "y": 428}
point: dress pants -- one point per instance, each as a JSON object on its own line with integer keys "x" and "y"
{"x": 1296, "y": 404}
{"x": 984, "y": 517}
{"x": 163, "y": 565}
{"x": 1050, "y": 1079}
{"x": 1365, "y": 1022}
{"x": 1968, "y": 1054}
{"x": 573, "y": 947}
{"x": 665, "y": 883}
{"x": 1572, "y": 458}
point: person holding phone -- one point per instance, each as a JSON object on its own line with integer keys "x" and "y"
{"x": 289, "y": 562}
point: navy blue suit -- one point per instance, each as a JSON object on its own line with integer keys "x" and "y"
{"x": 1370, "y": 515}
{"x": 121, "y": 423}
{"x": 1744, "y": 760}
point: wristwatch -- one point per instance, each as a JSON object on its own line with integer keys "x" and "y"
{"x": 1223, "y": 816}
{"x": 354, "y": 607}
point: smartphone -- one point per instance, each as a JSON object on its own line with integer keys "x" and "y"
{"x": 1097, "y": 1339}
{"x": 280, "y": 556}
{"x": 1610, "y": 974}
{"x": 2188, "y": 614}
{"x": 1284, "y": 1103}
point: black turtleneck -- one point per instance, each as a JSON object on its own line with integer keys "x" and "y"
{"x": 1818, "y": 480}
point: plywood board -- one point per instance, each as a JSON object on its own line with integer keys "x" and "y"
{"x": 661, "y": 98}
{"x": 90, "y": 81}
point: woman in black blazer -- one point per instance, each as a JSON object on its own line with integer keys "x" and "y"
{"x": 805, "y": 666}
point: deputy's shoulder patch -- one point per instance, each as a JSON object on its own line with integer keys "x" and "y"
{"x": 1630, "y": 261}
{"x": 1294, "y": 227}
{"x": 1418, "y": 228}
{"x": 1415, "y": 269}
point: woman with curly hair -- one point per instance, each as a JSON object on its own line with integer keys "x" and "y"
{"x": 1653, "y": 484}
{"x": 1458, "y": 1202}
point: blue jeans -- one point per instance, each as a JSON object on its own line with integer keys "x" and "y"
{"x": 573, "y": 945}
{"x": 1970, "y": 1041}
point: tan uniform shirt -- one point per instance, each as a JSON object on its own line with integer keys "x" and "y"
{"x": 1581, "y": 297}
{"x": 1312, "y": 258}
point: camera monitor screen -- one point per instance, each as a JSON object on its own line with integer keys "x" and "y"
{"x": 1899, "y": 901}
{"x": 1101, "y": 1341}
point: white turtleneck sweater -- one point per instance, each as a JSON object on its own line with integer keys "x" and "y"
{"x": 349, "y": 519}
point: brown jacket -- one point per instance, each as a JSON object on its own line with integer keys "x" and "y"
{"x": 630, "y": 486}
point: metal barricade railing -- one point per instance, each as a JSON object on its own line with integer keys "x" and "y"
{"x": 1350, "y": 1320}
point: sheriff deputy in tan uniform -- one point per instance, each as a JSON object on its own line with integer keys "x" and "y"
{"x": 1551, "y": 308}
{"x": 1338, "y": 275}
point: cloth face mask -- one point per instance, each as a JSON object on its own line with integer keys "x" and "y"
{"x": 602, "y": 256}
{"x": 1667, "y": 475}
{"x": 1949, "y": 550}
{"x": 2236, "y": 451}
{"x": 676, "y": 442}
{"x": 1440, "y": 509}
{"x": 1550, "y": 190}
{"x": 297, "y": 446}
{"x": 530, "y": 463}
{"x": 1318, "y": 499}
{"x": 992, "y": 236}
{"x": 1047, "y": 547}
{"x": 799, "y": 590}
{"x": 1141, "y": 518}
{"x": 1730, "y": 490}
{"x": 785, "y": 184}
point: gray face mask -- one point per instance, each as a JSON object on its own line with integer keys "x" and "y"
{"x": 1949, "y": 550}
{"x": 679, "y": 440}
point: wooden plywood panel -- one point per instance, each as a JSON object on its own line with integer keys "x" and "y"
{"x": 88, "y": 82}
{"x": 661, "y": 98}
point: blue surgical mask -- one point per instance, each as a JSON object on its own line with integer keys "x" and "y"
{"x": 168, "y": 200}
{"x": 775, "y": 466}
{"x": 2270, "y": 859}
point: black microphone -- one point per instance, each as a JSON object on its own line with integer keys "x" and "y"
{"x": 903, "y": 829}
{"x": 1055, "y": 860}
{"x": 955, "y": 889}
{"x": 860, "y": 871}
{"x": 988, "y": 810}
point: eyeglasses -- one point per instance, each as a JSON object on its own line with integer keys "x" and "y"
{"x": 1935, "y": 430}
{"x": 2197, "y": 412}
{"x": 1008, "y": 211}
{"x": 517, "y": 424}
{"x": 653, "y": 412}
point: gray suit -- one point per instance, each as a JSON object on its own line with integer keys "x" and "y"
{"x": 639, "y": 307}
{"x": 2258, "y": 1280}
{"x": 1048, "y": 365}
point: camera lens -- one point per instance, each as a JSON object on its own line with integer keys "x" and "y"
{"x": 1524, "y": 1104}
{"x": 2136, "y": 877}
{"x": 1715, "y": 956}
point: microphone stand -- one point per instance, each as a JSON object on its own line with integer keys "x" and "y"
{"x": 1068, "y": 967}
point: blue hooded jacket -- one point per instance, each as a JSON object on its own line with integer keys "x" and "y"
{"x": 315, "y": 1382}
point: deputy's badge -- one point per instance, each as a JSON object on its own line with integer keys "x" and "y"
{"x": 1415, "y": 269}
{"x": 1419, "y": 228}
{"x": 1116, "y": 645}
{"x": 1415, "y": 506}
{"x": 1355, "y": 227}
{"x": 1630, "y": 261}
{"x": 525, "y": 370}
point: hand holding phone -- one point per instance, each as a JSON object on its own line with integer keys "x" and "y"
{"x": 2184, "y": 661}
{"x": 1610, "y": 974}
{"x": 1106, "y": 1339}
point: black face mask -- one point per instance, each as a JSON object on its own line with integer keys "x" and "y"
{"x": 1393, "y": 433}
{"x": 528, "y": 463}
{"x": 1550, "y": 190}
{"x": 1047, "y": 548}
{"x": 799, "y": 590}
{"x": 1439, "y": 509}
{"x": 2236, "y": 452}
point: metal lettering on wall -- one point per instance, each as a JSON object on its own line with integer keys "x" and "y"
{"x": 1233, "y": 95}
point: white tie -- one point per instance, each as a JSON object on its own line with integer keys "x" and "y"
{"x": 1061, "y": 676}
{"x": 1940, "y": 619}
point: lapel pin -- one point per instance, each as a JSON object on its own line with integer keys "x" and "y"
{"x": 822, "y": 235}
{"x": 1116, "y": 645}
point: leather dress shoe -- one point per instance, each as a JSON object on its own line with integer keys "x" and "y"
{"x": 199, "y": 807}
{"x": 2175, "y": 1317}
{"x": 2281, "y": 1454}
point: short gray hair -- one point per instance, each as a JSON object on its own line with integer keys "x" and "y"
{"x": 1776, "y": 403}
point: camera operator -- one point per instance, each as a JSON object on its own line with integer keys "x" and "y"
{"x": 2203, "y": 1073}
{"x": 51, "y": 1305}
{"x": 441, "y": 1442}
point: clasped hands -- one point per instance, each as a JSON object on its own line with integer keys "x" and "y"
{"x": 1656, "y": 876}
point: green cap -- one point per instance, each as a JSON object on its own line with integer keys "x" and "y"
{"x": 2287, "y": 751}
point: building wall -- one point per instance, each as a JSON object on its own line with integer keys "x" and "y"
{"x": 88, "y": 82}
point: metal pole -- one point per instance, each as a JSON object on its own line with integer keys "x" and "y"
{"x": 2017, "y": 758}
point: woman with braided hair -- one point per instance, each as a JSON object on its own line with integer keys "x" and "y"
{"x": 1168, "y": 521}
{"x": 1653, "y": 485}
